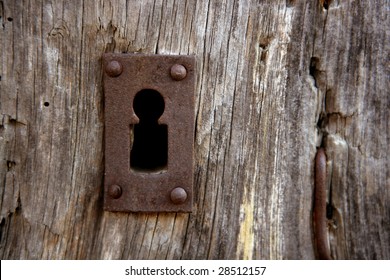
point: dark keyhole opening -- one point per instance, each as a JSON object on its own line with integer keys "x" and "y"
{"x": 150, "y": 144}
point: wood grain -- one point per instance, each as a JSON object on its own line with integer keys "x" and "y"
{"x": 275, "y": 80}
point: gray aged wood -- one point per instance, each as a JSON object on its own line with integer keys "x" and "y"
{"x": 276, "y": 79}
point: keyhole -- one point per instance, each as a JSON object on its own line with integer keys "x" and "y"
{"x": 150, "y": 144}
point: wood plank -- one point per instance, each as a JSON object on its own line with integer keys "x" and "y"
{"x": 276, "y": 79}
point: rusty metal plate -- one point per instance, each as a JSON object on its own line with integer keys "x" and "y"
{"x": 149, "y": 132}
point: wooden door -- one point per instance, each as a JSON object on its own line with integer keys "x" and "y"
{"x": 275, "y": 81}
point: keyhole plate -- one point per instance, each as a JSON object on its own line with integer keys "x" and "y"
{"x": 167, "y": 189}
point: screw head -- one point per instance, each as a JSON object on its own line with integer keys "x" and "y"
{"x": 178, "y": 195}
{"x": 115, "y": 191}
{"x": 114, "y": 68}
{"x": 178, "y": 72}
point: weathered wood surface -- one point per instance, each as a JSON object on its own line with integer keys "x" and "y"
{"x": 276, "y": 79}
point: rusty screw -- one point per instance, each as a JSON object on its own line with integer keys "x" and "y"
{"x": 178, "y": 195}
{"x": 114, "y": 68}
{"x": 115, "y": 191}
{"x": 178, "y": 72}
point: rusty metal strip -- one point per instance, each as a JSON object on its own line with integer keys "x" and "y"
{"x": 171, "y": 79}
{"x": 320, "y": 220}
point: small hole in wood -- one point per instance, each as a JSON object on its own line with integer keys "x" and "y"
{"x": 46, "y": 104}
{"x": 314, "y": 62}
{"x": 326, "y": 4}
{"x": 10, "y": 19}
